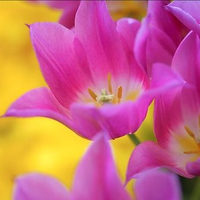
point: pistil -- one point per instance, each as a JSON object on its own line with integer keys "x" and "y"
{"x": 107, "y": 96}
{"x": 104, "y": 97}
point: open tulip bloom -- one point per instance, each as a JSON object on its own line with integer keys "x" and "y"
{"x": 94, "y": 81}
{"x": 96, "y": 178}
{"x": 177, "y": 121}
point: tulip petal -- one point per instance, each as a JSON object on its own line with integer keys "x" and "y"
{"x": 185, "y": 60}
{"x": 175, "y": 110}
{"x": 156, "y": 185}
{"x": 164, "y": 79}
{"x": 36, "y": 186}
{"x": 39, "y": 102}
{"x": 150, "y": 39}
{"x": 170, "y": 84}
{"x": 97, "y": 171}
{"x": 159, "y": 48}
{"x": 190, "y": 108}
{"x": 194, "y": 167}
{"x": 149, "y": 155}
{"x": 66, "y": 5}
{"x": 68, "y": 17}
{"x": 168, "y": 116}
{"x": 128, "y": 29}
{"x": 69, "y": 10}
{"x": 187, "y": 13}
{"x": 98, "y": 34}
{"x": 111, "y": 118}
{"x": 87, "y": 119}
{"x": 56, "y": 48}
{"x": 163, "y": 20}
{"x": 155, "y": 42}
{"x": 125, "y": 118}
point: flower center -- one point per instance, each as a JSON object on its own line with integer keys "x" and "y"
{"x": 107, "y": 96}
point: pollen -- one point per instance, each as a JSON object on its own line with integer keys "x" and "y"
{"x": 107, "y": 95}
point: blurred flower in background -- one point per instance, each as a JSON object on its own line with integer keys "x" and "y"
{"x": 96, "y": 178}
{"x": 118, "y": 9}
{"x": 38, "y": 144}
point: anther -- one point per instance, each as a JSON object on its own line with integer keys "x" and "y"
{"x": 191, "y": 152}
{"x": 190, "y": 133}
{"x": 109, "y": 84}
{"x": 119, "y": 94}
{"x": 92, "y": 94}
{"x": 199, "y": 121}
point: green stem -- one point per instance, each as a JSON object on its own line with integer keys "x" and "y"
{"x": 134, "y": 139}
{"x": 196, "y": 191}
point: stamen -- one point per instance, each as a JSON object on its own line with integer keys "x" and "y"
{"x": 199, "y": 121}
{"x": 190, "y": 133}
{"x": 109, "y": 84}
{"x": 191, "y": 152}
{"x": 119, "y": 94}
{"x": 92, "y": 94}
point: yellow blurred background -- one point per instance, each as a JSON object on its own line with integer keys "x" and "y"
{"x": 39, "y": 144}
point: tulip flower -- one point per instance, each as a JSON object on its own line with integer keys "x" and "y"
{"x": 176, "y": 120}
{"x": 94, "y": 81}
{"x": 158, "y": 37}
{"x": 96, "y": 178}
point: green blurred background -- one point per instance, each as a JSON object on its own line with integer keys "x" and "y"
{"x": 39, "y": 144}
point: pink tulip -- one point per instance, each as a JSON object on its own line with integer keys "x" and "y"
{"x": 176, "y": 120}
{"x": 94, "y": 81}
